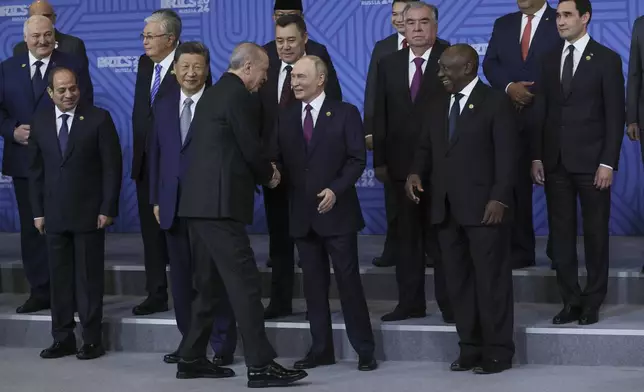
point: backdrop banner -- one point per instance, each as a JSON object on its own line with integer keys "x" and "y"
{"x": 348, "y": 28}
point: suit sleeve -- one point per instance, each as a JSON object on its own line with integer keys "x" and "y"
{"x": 423, "y": 154}
{"x": 153, "y": 163}
{"x": 613, "y": 90}
{"x": 243, "y": 117}
{"x": 380, "y": 119}
{"x": 274, "y": 145}
{"x": 7, "y": 123}
{"x": 356, "y": 154}
{"x": 81, "y": 52}
{"x": 36, "y": 173}
{"x": 492, "y": 68}
{"x": 634, "y": 83}
{"x": 540, "y": 114}
{"x": 504, "y": 133}
{"x": 370, "y": 92}
{"x": 111, "y": 158}
{"x": 332, "y": 89}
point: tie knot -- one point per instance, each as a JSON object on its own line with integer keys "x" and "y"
{"x": 188, "y": 102}
{"x": 571, "y": 49}
{"x": 530, "y": 17}
{"x": 458, "y": 96}
{"x": 64, "y": 117}
{"x": 38, "y": 63}
{"x": 404, "y": 43}
{"x": 288, "y": 68}
{"x": 157, "y": 68}
{"x": 419, "y": 62}
{"x": 308, "y": 108}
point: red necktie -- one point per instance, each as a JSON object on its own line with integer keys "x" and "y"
{"x": 286, "y": 95}
{"x": 525, "y": 39}
{"x": 404, "y": 43}
{"x": 308, "y": 124}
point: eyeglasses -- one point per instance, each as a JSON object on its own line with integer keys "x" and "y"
{"x": 150, "y": 36}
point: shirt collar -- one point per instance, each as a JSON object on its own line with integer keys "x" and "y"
{"x": 195, "y": 97}
{"x": 316, "y": 103}
{"x": 284, "y": 64}
{"x": 60, "y": 112}
{"x": 580, "y": 45}
{"x": 539, "y": 14}
{"x": 425, "y": 55}
{"x": 467, "y": 90}
{"x": 167, "y": 61}
{"x": 33, "y": 59}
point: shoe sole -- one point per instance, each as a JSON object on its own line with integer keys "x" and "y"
{"x": 59, "y": 356}
{"x": 189, "y": 376}
{"x": 275, "y": 383}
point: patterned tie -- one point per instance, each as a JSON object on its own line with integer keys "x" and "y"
{"x": 156, "y": 84}
{"x": 37, "y": 80}
{"x": 286, "y": 96}
{"x": 566, "y": 75}
{"x": 186, "y": 119}
{"x": 418, "y": 78}
{"x": 308, "y": 124}
{"x": 63, "y": 134}
{"x": 454, "y": 113}
{"x": 525, "y": 38}
{"x": 405, "y": 45}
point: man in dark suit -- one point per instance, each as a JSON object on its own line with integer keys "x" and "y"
{"x": 382, "y": 49}
{"x": 276, "y": 94}
{"x": 169, "y": 154}
{"x": 320, "y": 143}
{"x": 64, "y": 42}
{"x": 23, "y": 81}
{"x": 516, "y": 49}
{"x": 226, "y": 163}
{"x": 406, "y": 81}
{"x": 75, "y": 169}
{"x": 575, "y": 152}
{"x": 468, "y": 149}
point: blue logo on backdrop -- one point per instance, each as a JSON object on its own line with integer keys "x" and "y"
{"x": 349, "y": 29}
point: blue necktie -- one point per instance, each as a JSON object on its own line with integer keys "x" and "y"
{"x": 37, "y": 81}
{"x": 63, "y": 134}
{"x": 454, "y": 113}
{"x": 156, "y": 84}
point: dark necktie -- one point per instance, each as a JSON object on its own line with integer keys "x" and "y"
{"x": 405, "y": 45}
{"x": 566, "y": 75}
{"x": 417, "y": 79}
{"x": 63, "y": 134}
{"x": 308, "y": 124}
{"x": 37, "y": 80}
{"x": 454, "y": 113}
{"x": 287, "y": 92}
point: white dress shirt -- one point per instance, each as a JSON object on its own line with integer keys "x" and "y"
{"x": 166, "y": 63}
{"x": 400, "y": 41}
{"x": 195, "y": 98}
{"x": 43, "y": 67}
{"x": 466, "y": 91}
{"x": 59, "y": 120}
{"x": 580, "y": 46}
{"x": 316, "y": 104}
{"x": 412, "y": 65}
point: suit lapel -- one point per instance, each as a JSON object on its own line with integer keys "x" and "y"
{"x": 404, "y": 75}
{"x": 51, "y": 132}
{"x": 41, "y": 89}
{"x": 431, "y": 71}
{"x": 324, "y": 118}
{"x": 515, "y": 37}
{"x": 472, "y": 105}
{"x": 585, "y": 63}
{"x": 295, "y": 117}
{"x": 168, "y": 79}
{"x": 542, "y": 29}
{"x": 25, "y": 74}
{"x": 78, "y": 124}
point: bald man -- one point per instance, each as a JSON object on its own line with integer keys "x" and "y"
{"x": 64, "y": 42}
{"x": 468, "y": 150}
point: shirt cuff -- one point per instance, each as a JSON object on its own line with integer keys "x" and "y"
{"x": 40, "y": 217}
{"x": 370, "y": 135}
{"x": 506, "y": 87}
{"x": 537, "y": 160}
{"x": 606, "y": 166}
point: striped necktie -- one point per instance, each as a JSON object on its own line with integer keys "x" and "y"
{"x": 156, "y": 84}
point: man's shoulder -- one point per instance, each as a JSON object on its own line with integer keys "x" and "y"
{"x": 506, "y": 20}
{"x": 394, "y": 58}
{"x": 60, "y": 37}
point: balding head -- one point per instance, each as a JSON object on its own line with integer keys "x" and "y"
{"x": 458, "y": 66}
{"x": 308, "y": 78}
{"x": 249, "y": 61}
{"x": 39, "y": 36}
{"x": 42, "y": 7}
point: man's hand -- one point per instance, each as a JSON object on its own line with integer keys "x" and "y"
{"x": 21, "y": 134}
{"x": 277, "y": 178}
{"x": 412, "y": 185}
{"x": 155, "y": 210}
{"x": 493, "y": 213}
{"x": 381, "y": 173}
{"x": 328, "y": 201}
{"x": 538, "y": 176}
{"x": 39, "y": 223}
{"x": 603, "y": 178}
{"x": 104, "y": 221}
{"x": 369, "y": 142}
{"x": 633, "y": 131}
{"x": 519, "y": 93}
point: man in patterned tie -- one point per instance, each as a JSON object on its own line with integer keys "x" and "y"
{"x": 169, "y": 152}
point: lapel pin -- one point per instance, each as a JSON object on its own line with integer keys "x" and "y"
{"x": 328, "y": 114}
{"x": 24, "y": 65}
{"x": 81, "y": 118}
{"x": 471, "y": 106}
{"x": 172, "y": 71}
{"x": 587, "y": 57}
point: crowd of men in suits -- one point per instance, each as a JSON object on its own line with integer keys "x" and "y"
{"x": 458, "y": 159}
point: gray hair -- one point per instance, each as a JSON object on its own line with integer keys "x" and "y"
{"x": 243, "y": 53}
{"x": 414, "y": 5}
{"x": 320, "y": 66}
{"x": 34, "y": 19}
{"x": 169, "y": 21}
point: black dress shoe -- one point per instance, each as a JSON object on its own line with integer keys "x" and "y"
{"x": 90, "y": 351}
{"x": 33, "y": 305}
{"x": 273, "y": 375}
{"x": 492, "y": 366}
{"x": 272, "y": 312}
{"x": 223, "y": 360}
{"x": 463, "y": 364}
{"x": 367, "y": 363}
{"x": 150, "y": 306}
{"x": 172, "y": 357}
{"x": 382, "y": 262}
{"x": 519, "y": 264}
{"x": 589, "y": 316}
{"x": 399, "y": 314}
{"x": 312, "y": 361}
{"x": 567, "y": 315}
{"x": 202, "y": 368}
{"x": 59, "y": 350}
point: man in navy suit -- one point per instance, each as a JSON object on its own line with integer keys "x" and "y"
{"x": 320, "y": 143}
{"x": 23, "y": 81}
{"x": 516, "y": 49}
{"x": 168, "y": 155}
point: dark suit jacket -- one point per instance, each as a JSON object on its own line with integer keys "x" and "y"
{"x": 66, "y": 44}
{"x": 142, "y": 111}
{"x": 477, "y": 165}
{"x": 168, "y": 157}
{"x": 268, "y": 92}
{"x": 585, "y": 128}
{"x": 335, "y": 158}
{"x": 635, "y": 85}
{"x": 71, "y": 188}
{"x": 396, "y": 117}
{"x": 18, "y": 104}
{"x": 226, "y": 158}
{"x": 382, "y": 49}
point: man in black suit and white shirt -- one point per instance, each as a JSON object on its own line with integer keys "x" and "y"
{"x": 575, "y": 153}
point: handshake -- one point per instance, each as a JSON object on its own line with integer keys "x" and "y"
{"x": 277, "y": 177}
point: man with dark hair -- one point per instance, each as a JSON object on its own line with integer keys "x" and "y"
{"x": 291, "y": 43}
{"x": 74, "y": 198}
{"x": 468, "y": 150}
{"x": 575, "y": 153}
